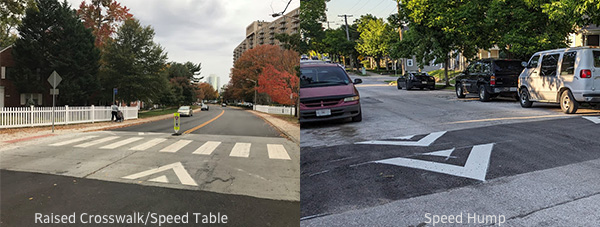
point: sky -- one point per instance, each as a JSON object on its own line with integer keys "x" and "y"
{"x": 202, "y": 31}
{"x": 356, "y": 8}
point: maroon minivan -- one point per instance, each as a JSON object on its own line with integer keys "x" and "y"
{"x": 327, "y": 93}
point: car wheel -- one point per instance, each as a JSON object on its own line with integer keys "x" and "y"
{"x": 484, "y": 96}
{"x": 358, "y": 118}
{"x": 460, "y": 93}
{"x": 567, "y": 103}
{"x": 398, "y": 85}
{"x": 524, "y": 98}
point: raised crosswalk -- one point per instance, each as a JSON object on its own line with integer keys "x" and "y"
{"x": 164, "y": 145}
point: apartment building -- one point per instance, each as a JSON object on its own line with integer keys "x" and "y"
{"x": 263, "y": 32}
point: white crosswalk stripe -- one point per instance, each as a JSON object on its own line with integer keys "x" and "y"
{"x": 148, "y": 144}
{"x": 241, "y": 150}
{"x": 122, "y": 142}
{"x": 277, "y": 151}
{"x": 73, "y": 141}
{"x": 176, "y": 146}
{"x": 98, "y": 141}
{"x": 207, "y": 148}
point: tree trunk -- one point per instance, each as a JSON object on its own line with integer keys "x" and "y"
{"x": 446, "y": 70}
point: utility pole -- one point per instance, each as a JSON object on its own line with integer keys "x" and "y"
{"x": 345, "y": 16}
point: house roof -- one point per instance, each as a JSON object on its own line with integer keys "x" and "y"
{"x": 2, "y": 49}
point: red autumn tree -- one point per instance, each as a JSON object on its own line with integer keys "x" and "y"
{"x": 252, "y": 63}
{"x": 205, "y": 91}
{"x": 103, "y": 17}
{"x": 279, "y": 85}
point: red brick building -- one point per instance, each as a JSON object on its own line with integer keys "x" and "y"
{"x": 9, "y": 95}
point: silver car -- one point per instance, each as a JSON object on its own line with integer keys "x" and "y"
{"x": 566, "y": 76}
{"x": 185, "y": 111}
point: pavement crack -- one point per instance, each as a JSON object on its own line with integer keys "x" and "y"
{"x": 551, "y": 206}
{"x": 220, "y": 179}
{"x": 109, "y": 164}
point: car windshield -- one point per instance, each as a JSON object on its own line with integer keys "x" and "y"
{"x": 508, "y": 67}
{"x": 322, "y": 76}
{"x": 184, "y": 108}
{"x": 597, "y": 59}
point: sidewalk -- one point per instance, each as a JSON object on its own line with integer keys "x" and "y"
{"x": 291, "y": 130}
{"x": 14, "y": 135}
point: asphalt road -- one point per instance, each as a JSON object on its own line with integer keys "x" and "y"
{"x": 419, "y": 152}
{"x": 24, "y": 194}
{"x": 230, "y": 161}
{"x": 233, "y": 122}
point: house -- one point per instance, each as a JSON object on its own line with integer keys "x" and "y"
{"x": 9, "y": 95}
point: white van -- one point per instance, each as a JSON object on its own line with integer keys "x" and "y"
{"x": 567, "y": 76}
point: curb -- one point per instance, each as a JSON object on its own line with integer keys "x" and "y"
{"x": 287, "y": 135}
{"x": 28, "y": 138}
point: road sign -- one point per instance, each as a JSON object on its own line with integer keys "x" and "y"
{"x": 54, "y": 79}
{"x": 54, "y": 91}
{"x": 180, "y": 172}
{"x": 176, "y": 122}
{"x": 115, "y": 91}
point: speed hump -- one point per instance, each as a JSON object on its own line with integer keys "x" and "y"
{"x": 176, "y": 123}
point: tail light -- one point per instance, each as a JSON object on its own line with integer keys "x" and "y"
{"x": 585, "y": 73}
{"x": 493, "y": 80}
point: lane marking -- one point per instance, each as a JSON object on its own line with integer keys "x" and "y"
{"x": 176, "y": 146}
{"x": 424, "y": 142}
{"x": 204, "y": 124}
{"x": 241, "y": 150}
{"x": 98, "y": 141}
{"x": 509, "y": 118}
{"x": 277, "y": 151}
{"x": 148, "y": 144}
{"x": 403, "y": 137}
{"x": 445, "y": 153}
{"x": 596, "y": 120}
{"x": 122, "y": 142}
{"x": 207, "y": 148}
{"x": 161, "y": 179}
{"x": 182, "y": 174}
{"x": 475, "y": 167}
{"x": 72, "y": 141}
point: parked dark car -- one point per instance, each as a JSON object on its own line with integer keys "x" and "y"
{"x": 327, "y": 93}
{"x": 490, "y": 78}
{"x": 416, "y": 80}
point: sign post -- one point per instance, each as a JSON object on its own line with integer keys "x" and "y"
{"x": 54, "y": 80}
{"x": 114, "y": 93}
{"x": 176, "y": 122}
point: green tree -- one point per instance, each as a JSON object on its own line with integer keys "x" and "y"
{"x": 291, "y": 42}
{"x": 180, "y": 80}
{"x": 11, "y": 12}
{"x": 575, "y": 12}
{"x": 374, "y": 37}
{"x": 313, "y": 16}
{"x": 135, "y": 64}
{"x": 521, "y": 28}
{"x": 52, "y": 38}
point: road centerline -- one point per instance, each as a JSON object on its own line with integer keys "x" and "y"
{"x": 204, "y": 124}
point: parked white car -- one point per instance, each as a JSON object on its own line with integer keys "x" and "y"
{"x": 566, "y": 76}
{"x": 185, "y": 111}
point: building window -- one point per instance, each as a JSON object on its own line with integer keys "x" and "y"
{"x": 2, "y": 72}
{"x": 593, "y": 40}
{"x": 28, "y": 99}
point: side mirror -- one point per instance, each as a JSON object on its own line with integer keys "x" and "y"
{"x": 357, "y": 81}
{"x": 524, "y": 64}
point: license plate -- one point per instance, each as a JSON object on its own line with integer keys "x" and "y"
{"x": 513, "y": 89}
{"x": 424, "y": 82}
{"x": 325, "y": 112}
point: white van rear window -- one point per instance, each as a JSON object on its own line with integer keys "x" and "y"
{"x": 597, "y": 59}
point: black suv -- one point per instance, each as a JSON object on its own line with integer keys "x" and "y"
{"x": 418, "y": 80}
{"x": 490, "y": 78}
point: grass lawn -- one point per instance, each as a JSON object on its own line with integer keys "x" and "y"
{"x": 439, "y": 75}
{"x": 289, "y": 118}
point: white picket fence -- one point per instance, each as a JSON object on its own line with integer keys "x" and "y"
{"x": 16, "y": 117}
{"x": 286, "y": 110}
